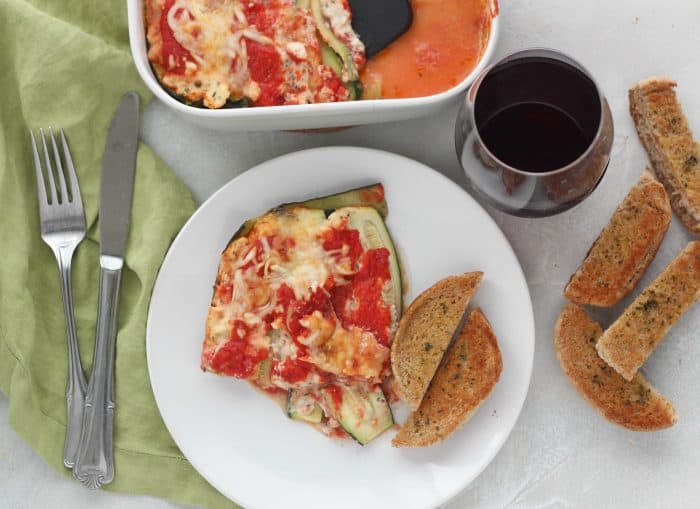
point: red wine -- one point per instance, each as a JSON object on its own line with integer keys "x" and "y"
{"x": 537, "y": 114}
{"x": 534, "y": 136}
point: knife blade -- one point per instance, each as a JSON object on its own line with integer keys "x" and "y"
{"x": 94, "y": 464}
{"x": 117, "y": 184}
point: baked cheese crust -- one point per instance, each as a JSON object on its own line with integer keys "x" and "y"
{"x": 301, "y": 298}
{"x": 264, "y": 52}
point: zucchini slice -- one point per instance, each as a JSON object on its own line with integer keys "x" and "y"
{"x": 302, "y": 407}
{"x": 262, "y": 377}
{"x": 363, "y": 414}
{"x": 332, "y": 40}
{"x": 355, "y": 90}
{"x": 367, "y": 196}
{"x": 374, "y": 235}
{"x": 243, "y": 230}
{"x": 246, "y": 227}
{"x": 331, "y": 59}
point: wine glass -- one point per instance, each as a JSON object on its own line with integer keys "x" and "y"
{"x": 534, "y": 133}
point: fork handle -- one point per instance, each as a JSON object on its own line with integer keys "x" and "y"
{"x": 75, "y": 388}
{"x": 94, "y": 465}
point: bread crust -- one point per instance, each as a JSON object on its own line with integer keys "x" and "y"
{"x": 629, "y": 341}
{"x": 666, "y": 136}
{"x": 425, "y": 331}
{"x": 634, "y": 404}
{"x": 625, "y": 248}
{"x": 471, "y": 369}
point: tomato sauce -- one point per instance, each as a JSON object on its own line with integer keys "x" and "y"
{"x": 236, "y": 357}
{"x": 225, "y": 293}
{"x": 275, "y": 391}
{"x": 294, "y": 310}
{"x": 336, "y": 395}
{"x": 180, "y": 56}
{"x": 334, "y": 239}
{"x": 281, "y": 245}
{"x": 357, "y": 302}
{"x": 373, "y": 195}
{"x": 338, "y": 433}
{"x": 265, "y": 65}
{"x": 441, "y": 48}
{"x": 264, "y": 62}
{"x": 263, "y": 17}
{"x": 292, "y": 370}
{"x": 360, "y": 303}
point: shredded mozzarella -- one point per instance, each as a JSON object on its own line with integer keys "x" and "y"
{"x": 340, "y": 20}
{"x": 214, "y": 33}
{"x": 297, "y": 50}
{"x": 259, "y": 271}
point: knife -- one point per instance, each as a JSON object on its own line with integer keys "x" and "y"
{"x": 94, "y": 465}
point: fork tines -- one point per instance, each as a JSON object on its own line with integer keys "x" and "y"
{"x": 62, "y": 195}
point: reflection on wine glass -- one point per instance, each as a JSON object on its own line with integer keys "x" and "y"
{"x": 534, "y": 133}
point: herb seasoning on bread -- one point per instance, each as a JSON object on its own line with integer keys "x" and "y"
{"x": 425, "y": 332}
{"x": 629, "y": 341}
{"x": 466, "y": 377}
{"x": 675, "y": 155}
{"x": 634, "y": 404}
{"x": 624, "y": 249}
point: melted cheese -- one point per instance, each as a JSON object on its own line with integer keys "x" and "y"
{"x": 282, "y": 346}
{"x": 212, "y": 32}
{"x": 215, "y": 33}
{"x": 307, "y": 271}
{"x": 353, "y": 353}
{"x": 256, "y": 270}
{"x": 340, "y": 19}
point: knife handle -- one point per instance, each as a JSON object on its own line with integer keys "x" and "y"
{"x": 94, "y": 465}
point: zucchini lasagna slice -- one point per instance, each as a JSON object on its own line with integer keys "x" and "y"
{"x": 226, "y": 53}
{"x": 306, "y": 303}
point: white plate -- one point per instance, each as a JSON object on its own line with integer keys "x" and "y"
{"x": 241, "y": 441}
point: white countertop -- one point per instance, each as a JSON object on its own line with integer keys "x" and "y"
{"x": 561, "y": 453}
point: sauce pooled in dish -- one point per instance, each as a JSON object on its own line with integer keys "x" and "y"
{"x": 443, "y": 45}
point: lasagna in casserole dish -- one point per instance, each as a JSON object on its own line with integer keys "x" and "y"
{"x": 306, "y": 302}
{"x": 227, "y": 53}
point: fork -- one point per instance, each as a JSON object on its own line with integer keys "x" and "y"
{"x": 63, "y": 228}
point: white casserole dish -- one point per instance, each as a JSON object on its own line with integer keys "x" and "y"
{"x": 306, "y": 116}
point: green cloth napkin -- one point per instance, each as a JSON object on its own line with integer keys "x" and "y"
{"x": 67, "y": 64}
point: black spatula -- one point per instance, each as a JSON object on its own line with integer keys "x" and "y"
{"x": 380, "y": 22}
